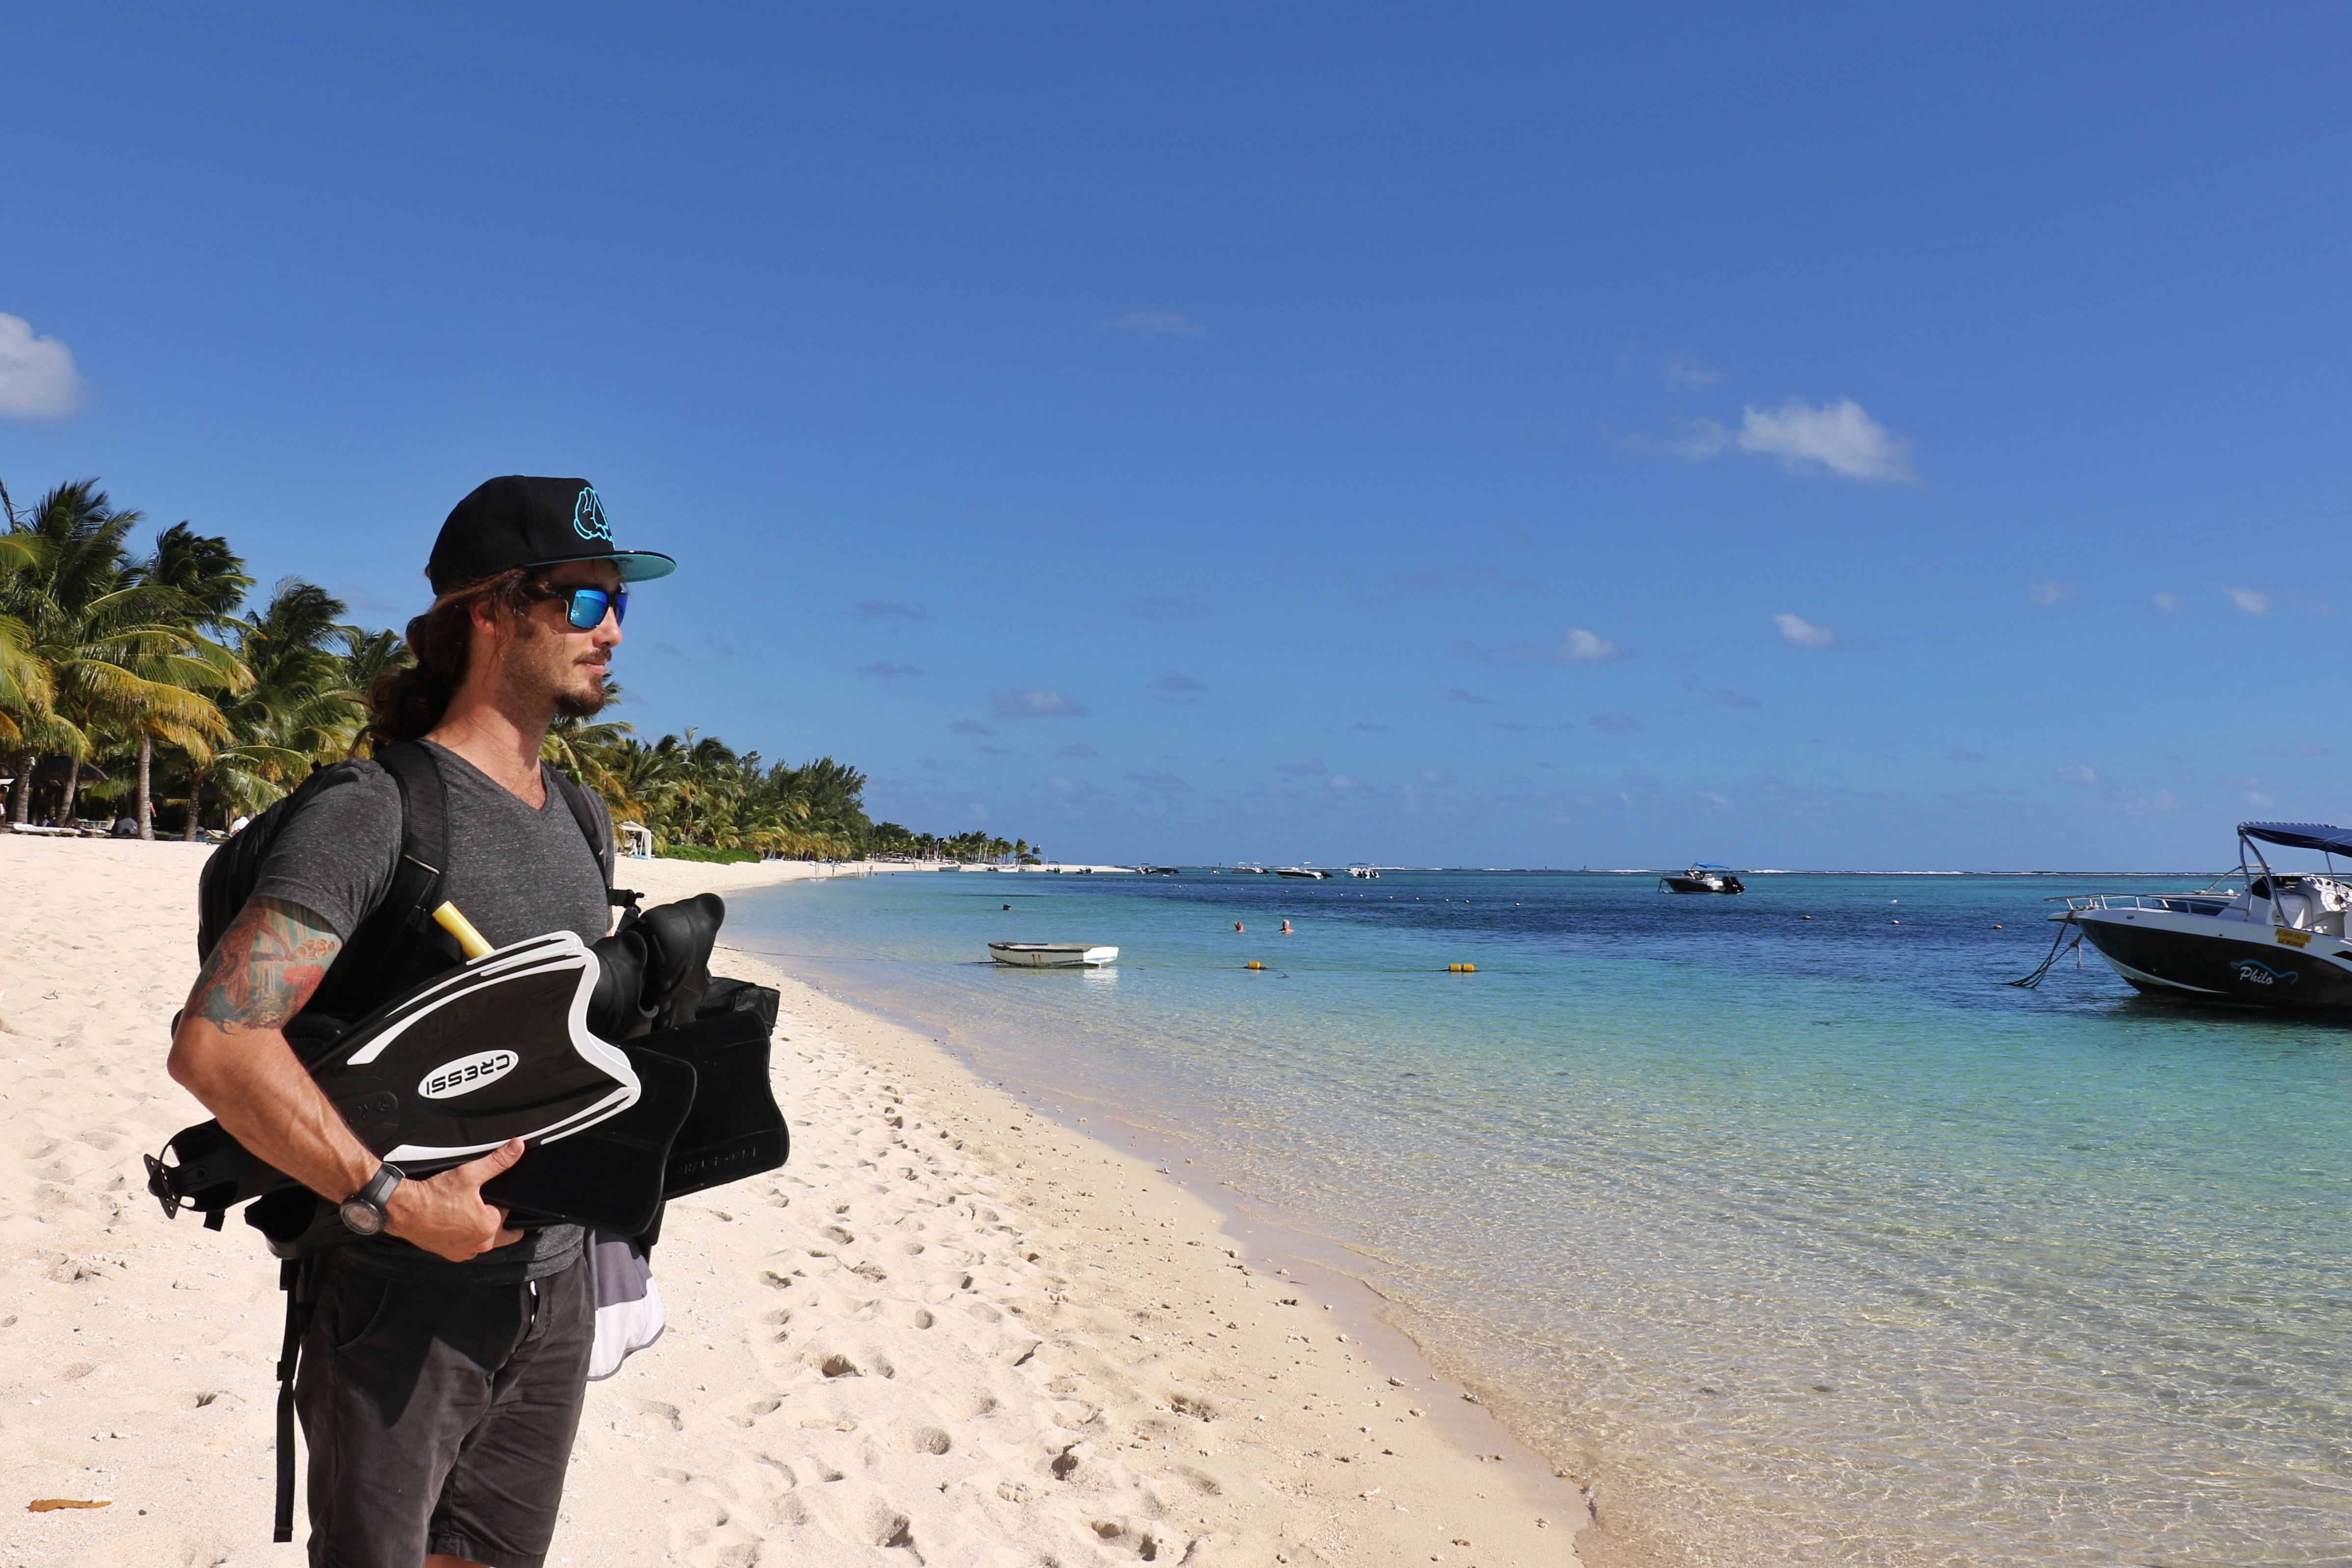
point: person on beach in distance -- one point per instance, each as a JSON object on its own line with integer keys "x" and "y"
{"x": 446, "y": 1354}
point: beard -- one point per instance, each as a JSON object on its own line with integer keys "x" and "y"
{"x": 531, "y": 647}
{"x": 582, "y": 705}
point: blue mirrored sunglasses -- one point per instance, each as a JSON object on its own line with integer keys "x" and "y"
{"x": 585, "y": 611}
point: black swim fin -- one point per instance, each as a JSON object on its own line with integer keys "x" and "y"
{"x": 499, "y": 1049}
{"x": 656, "y": 968}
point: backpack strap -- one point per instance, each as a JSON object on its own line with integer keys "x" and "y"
{"x": 378, "y": 952}
{"x": 294, "y": 1278}
{"x": 598, "y": 828}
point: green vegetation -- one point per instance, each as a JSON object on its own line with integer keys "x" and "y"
{"x": 126, "y": 680}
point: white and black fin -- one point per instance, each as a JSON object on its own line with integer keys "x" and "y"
{"x": 498, "y": 1049}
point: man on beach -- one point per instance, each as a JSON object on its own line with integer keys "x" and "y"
{"x": 446, "y": 1352}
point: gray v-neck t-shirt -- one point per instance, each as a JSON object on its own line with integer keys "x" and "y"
{"x": 513, "y": 870}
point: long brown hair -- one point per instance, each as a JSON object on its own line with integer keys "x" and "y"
{"x": 406, "y": 701}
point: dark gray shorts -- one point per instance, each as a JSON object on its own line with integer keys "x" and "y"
{"x": 440, "y": 1419}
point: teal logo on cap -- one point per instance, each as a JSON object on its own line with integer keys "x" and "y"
{"x": 588, "y": 517}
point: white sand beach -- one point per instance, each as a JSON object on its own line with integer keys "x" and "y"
{"x": 950, "y": 1330}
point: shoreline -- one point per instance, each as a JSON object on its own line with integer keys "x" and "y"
{"x": 1472, "y": 1421}
{"x": 1035, "y": 1345}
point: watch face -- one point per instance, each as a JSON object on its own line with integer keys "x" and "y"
{"x": 361, "y": 1218}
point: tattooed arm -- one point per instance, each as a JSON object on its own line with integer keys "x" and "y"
{"x": 231, "y": 1053}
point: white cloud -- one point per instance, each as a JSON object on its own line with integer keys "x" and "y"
{"x": 1150, "y": 323}
{"x": 2075, "y": 773}
{"x": 37, "y": 379}
{"x": 1035, "y": 705}
{"x": 1838, "y": 435}
{"x": 2045, "y": 592}
{"x": 1689, "y": 375}
{"x": 2254, "y": 601}
{"x": 1585, "y": 646}
{"x": 2168, "y": 602}
{"x": 1803, "y": 632}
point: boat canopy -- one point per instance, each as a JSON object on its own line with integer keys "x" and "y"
{"x": 2301, "y": 836}
{"x": 1710, "y": 865}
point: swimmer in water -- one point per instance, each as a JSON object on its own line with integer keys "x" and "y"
{"x": 1238, "y": 926}
{"x": 1286, "y": 928}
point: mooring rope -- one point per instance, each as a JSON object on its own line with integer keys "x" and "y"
{"x": 2033, "y": 980}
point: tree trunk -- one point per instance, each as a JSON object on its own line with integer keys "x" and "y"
{"x": 146, "y": 808}
{"x": 20, "y": 809}
{"x": 195, "y": 803}
{"x": 73, "y": 787}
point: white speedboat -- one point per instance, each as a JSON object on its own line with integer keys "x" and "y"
{"x": 1050, "y": 954}
{"x": 1364, "y": 872}
{"x": 1308, "y": 871}
{"x": 1704, "y": 877}
{"x": 2277, "y": 941}
{"x": 1249, "y": 868}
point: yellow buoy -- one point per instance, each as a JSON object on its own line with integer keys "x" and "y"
{"x": 470, "y": 941}
{"x": 1253, "y": 964}
{"x": 1461, "y": 969}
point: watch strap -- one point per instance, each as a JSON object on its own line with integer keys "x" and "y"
{"x": 380, "y": 1186}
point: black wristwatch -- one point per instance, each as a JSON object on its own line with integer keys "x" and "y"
{"x": 363, "y": 1212}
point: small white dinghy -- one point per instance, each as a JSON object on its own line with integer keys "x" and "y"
{"x": 1050, "y": 954}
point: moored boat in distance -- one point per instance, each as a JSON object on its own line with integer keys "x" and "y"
{"x": 1304, "y": 869}
{"x": 1704, "y": 877}
{"x": 1364, "y": 872}
{"x": 2279, "y": 941}
{"x": 1051, "y": 954}
{"x": 1248, "y": 868}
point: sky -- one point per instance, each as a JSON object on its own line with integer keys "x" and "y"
{"x": 1859, "y": 436}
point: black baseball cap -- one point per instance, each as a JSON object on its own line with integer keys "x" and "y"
{"x": 519, "y": 520}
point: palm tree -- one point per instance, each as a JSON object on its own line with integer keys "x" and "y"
{"x": 105, "y": 649}
{"x": 210, "y": 580}
{"x": 300, "y": 709}
{"x": 23, "y": 681}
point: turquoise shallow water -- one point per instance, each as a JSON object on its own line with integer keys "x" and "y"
{"x": 1806, "y": 1241}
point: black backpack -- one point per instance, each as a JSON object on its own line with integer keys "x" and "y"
{"x": 398, "y": 944}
